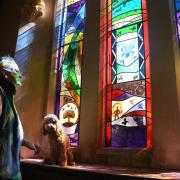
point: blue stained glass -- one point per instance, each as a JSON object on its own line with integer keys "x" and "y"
{"x": 64, "y": 26}
{"x": 77, "y": 21}
{"x": 58, "y": 19}
{"x": 73, "y": 23}
{"x": 69, "y": 14}
{"x": 127, "y": 52}
{"x": 142, "y": 75}
{"x": 125, "y": 7}
{"x": 115, "y": 66}
{"x": 114, "y": 79}
{"x": 177, "y": 5}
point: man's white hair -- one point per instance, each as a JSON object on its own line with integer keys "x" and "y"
{"x": 8, "y": 63}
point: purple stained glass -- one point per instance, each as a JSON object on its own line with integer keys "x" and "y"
{"x": 133, "y": 137}
{"x": 75, "y": 7}
{"x": 178, "y": 23}
{"x": 177, "y": 9}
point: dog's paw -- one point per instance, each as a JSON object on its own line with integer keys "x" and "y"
{"x": 63, "y": 163}
{"x": 72, "y": 163}
{"x": 47, "y": 161}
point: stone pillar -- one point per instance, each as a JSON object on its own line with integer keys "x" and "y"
{"x": 89, "y": 89}
{"x": 165, "y": 88}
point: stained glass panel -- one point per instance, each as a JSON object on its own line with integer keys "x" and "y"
{"x": 177, "y": 5}
{"x": 69, "y": 114}
{"x": 129, "y": 94}
{"x": 70, "y": 17}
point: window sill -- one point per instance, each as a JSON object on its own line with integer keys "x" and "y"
{"x": 117, "y": 151}
{"x": 126, "y": 157}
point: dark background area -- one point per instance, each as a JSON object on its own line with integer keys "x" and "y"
{"x": 9, "y": 18}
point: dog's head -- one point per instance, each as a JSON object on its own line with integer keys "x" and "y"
{"x": 50, "y": 124}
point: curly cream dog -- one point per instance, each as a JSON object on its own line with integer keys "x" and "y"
{"x": 60, "y": 152}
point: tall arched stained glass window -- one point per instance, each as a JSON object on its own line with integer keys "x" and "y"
{"x": 70, "y": 17}
{"x": 177, "y": 6}
{"x": 128, "y": 75}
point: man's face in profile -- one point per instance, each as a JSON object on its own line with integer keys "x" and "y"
{"x": 11, "y": 72}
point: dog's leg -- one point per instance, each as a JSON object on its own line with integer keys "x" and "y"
{"x": 69, "y": 154}
{"x": 70, "y": 158}
{"x": 63, "y": 157}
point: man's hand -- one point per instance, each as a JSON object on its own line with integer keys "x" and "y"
{"x": 38, "y": 149}
{"x": 33, "y": 146}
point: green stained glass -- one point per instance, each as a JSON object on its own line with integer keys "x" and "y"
{"x": 73, "y": 78}
{"x": 65, "y": 73}
{"x": 73, "y": 48}
{"x": 78, "y": 35}
{"x": 71, "y": 67}
{"x": 117, "y": 1}
{"x": 78, "y": 91}
{"x": 126, "y": 30}
{"x": 134, "y": 67}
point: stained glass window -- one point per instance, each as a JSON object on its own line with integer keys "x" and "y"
{"x": 70, "y": 17}
{"x": 128, "y": 76}
{"x": 177, "y": 5}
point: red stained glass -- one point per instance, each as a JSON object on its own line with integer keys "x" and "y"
{"x": 148, "y": 104}
{"x": 108, "y": 134}
{"x": 149, "y": 121}
{"x": 144, "y": 7}
{"x": 128, "y": 62}
{"x": 148, "y": 67}
{"x": 116, "y": 93}
{"x": 137, "y": 113}
{"x": 149, "y": 136}
{"x": 108, "y": 76}
{"x": 148, "y": 89}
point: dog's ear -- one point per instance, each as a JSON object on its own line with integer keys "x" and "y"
{"x": 44, "y": 131}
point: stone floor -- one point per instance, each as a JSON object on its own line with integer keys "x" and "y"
{"x": 30, "y": 166}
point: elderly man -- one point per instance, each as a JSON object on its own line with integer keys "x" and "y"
{"x": 11, "y": 131}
